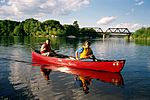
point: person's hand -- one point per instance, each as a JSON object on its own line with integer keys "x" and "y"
{"x": 86, "y": 57}
{"x": 48, "y": 53}
{"x": 43, "y": 49}
{"x": 89, "y": 56}
{"x": 77, "y": 58}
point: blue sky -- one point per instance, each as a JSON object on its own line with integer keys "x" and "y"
{"x": 132, "y": 14}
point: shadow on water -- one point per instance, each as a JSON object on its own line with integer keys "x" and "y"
{"x": 7, "y": 41}
{"x": 143, "y": 42}
{"x": 83, "y": 78}
{"x": 36, "y": 42}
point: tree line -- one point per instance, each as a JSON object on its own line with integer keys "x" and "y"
{"x": 33, "y": 27}
{"x": 142, "y": 33}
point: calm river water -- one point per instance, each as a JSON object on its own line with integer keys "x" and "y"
{"x": 20, "y": 80}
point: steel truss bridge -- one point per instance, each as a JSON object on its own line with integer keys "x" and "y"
{"x": 112, "y": 31}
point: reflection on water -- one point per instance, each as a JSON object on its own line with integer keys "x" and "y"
{"x": 143, "y": 42}
{"x": 83, "y": 82}
{"x": 83, "y": 78}
{"x": 45, "y": 72}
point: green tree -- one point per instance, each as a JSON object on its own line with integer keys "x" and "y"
{"x": 31, "y": 26}
{"x": 49, "y": 26}
{"x": 7, "y": 27}
{"x": 70, "y": 30}
{"x": 89, "y": 32}
{"x": 19, "y": 31}
{"x": 142, "y": 33}
{"x": 76, "y": 25}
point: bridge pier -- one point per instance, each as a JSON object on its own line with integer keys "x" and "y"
{"x": 129, "y": 36}
{"x": 103, "y": 36}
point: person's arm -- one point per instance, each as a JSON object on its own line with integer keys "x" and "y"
{"x": 43, "y": 48}
{"x": 91, "y": 54}
{"x": 77, "y": 53}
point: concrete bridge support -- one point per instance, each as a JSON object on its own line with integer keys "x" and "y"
{"x": 104, "y": 35}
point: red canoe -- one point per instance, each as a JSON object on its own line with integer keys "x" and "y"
{"x": 102, "y": 65}
{"x": 109, "y": 77}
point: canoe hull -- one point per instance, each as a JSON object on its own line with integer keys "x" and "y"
{"x": 104, "y": 65}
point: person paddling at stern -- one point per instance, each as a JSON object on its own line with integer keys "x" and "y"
{"x": 85, "y": 52}
{"x": 46, "y": 49}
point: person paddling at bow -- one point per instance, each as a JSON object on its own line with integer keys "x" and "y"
{"x": 85, "y": 52}
{"x": 46, "y": 49}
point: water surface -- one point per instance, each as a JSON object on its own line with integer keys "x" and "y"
{"x": 20, "y": 80}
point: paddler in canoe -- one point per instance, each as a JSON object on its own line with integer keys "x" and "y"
{"x": 46, "y": 49}
{"x": 85, "y": 52}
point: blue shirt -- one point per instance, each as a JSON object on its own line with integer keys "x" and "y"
{"x": 80, "y": 50}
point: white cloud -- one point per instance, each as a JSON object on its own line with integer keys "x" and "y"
{"x": 32, "y": 8}
{"x": 139, "y": 2}
{"x": 106, "y": 20}
{"x": 131, "y": 26}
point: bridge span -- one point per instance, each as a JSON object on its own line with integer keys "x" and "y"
{"x": 112, "y": 31}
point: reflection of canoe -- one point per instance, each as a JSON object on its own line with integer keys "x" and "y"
{"x": 114, "y": 78}
{"x": 102, "y": 65}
